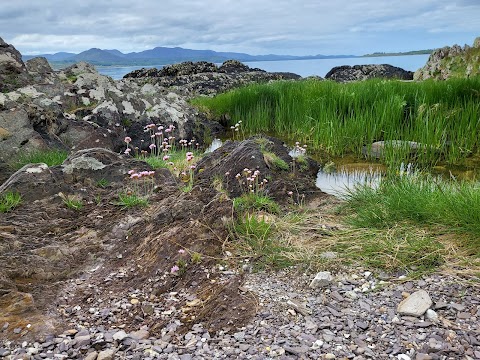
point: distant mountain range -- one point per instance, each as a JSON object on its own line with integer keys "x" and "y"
{"x": 167, "y": 55}
{"x": 164, "y": 55}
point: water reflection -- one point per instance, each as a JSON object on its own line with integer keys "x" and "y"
{"x": 339, "y": 181}
{"x": 216, "y": 143}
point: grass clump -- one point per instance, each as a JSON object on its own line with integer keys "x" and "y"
{"x": 72, "y": 202}
{"x": 400, "y": 248}
{"x": 103, "y": 183}
{"x": 131, "y": 200}
{"x": 272, "y": 160}
{"x": 50, "y": 157}
{"x": 258, "y": 240}
{"x": 255, "y": 202}
{"x": 9, "y": 201}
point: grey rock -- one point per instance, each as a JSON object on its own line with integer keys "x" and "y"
{"x": 91, "y": 356}
{"x": 416, "y": 304}
{"x": 119, "y": 335}
{"x": 82, "y": 340}
{"x": 106, "y": 354}
{"x": 322, "y": 279}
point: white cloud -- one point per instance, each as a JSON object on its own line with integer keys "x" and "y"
{"x": 259, "y": 27}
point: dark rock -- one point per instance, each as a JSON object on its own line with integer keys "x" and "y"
{"x": 348, "y": 73}
{"x": 13, "y": 73}
{"x": 206, "y": 78}
{"x": 234, "y": 156}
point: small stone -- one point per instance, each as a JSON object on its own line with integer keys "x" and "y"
{"x": 106, "y": 354}
{"x": 458, "y": 307}
{"x": 464, "y": 315}
{"x": 431, "y": 315}
{"x": 119, "y": 335}
{"x": 322, "y": 279}
{"x": 416, "y": 304}
{"x": 4, "y": 352}
{"x": 91, "y": 356}
{"x": 403, "y": 357}
{"x": 329, "y": 356}
{"x": 422, "y": 356}
{"x": 82, "y": 340}
{"x": 140, "y": 334}
{"x": 134, "y": 301}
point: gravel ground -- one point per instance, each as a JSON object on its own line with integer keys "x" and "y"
{"x": 353, "y": 315}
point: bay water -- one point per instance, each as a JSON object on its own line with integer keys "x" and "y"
{"x": 311, "y": 67}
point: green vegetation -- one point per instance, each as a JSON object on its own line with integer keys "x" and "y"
{"x": 420, "y": 200}
{"x": 343, "y": 119}
{"x": 413, "y": 52}
{"x": 397, "y": 249}
{"x": 258, "y": 239}
{"x": 131, "y": 200}
{"x": 103, "y": 183}
{"x": 272, "y": 160}
{"x": 73, "y": 203}
{"x": 255, "y": 202}
{"x": 9, "y": 201}
{"x": 50, "y": 157}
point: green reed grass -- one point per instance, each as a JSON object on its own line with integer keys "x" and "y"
{"x": 344, "y": 118}
{"x": 446, "y": 206}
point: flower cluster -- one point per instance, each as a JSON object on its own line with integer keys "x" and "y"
{"x": 250, "y": 181}
{"x": 236, "y": 128}
{"x": 145, "y": 187}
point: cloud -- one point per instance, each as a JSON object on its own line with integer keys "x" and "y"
{"x": 258, "y": 27}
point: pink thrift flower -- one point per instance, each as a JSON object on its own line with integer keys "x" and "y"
{"x": 130, "y": 172}
{"x": 181, "y": 251}
{"x": 127, "y": 139}
{"x": 152, "y": 146}
{"x": 174, "y": 269}
{"x": 290, "y": 193}
{"x": 166, "y": 157}
{"x": 127, "y": 151}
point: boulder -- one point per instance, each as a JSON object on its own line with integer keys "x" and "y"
{"x": 321, "y": 280}
{"x": 347, "y": 73}
{"x": 191, "y": 79}
{"x": 229, "y": 162}
{"x": 416, "y": 304}
{"x": 13, "y": 73}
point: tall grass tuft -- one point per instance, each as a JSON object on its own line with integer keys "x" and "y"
{"x": 448, "y": 206}
{"x": 444, "y": 117}
{"x": 50, "y": 157}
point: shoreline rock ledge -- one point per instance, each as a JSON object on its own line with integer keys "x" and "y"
{"x": 347, "y": 73}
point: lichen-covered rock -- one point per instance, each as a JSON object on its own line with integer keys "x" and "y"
{"x": 13, "y": 73}
{"x": 348, "y": 73}
{"x": 454, "y": 61}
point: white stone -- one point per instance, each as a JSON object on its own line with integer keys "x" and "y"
{"x": 322, "y": 279}
{"x": 403, "y": 357}
{"x": 37, "y": 169}
{"x": 119, "y": 335}
{"x": 431, "y": 315}
{"x": 416, "y": 304}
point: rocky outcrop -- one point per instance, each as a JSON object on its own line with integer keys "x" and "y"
{"x": 234, "y": 159}
{"x": 205, "y": 78}
{"x": 13, "y": 73}
{"x": 455, "y": 61}
{"x": 77, "y": 108}
{"x": 347, "y": 73}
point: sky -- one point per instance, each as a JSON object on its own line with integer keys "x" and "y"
{"x": 292, "y": 27}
